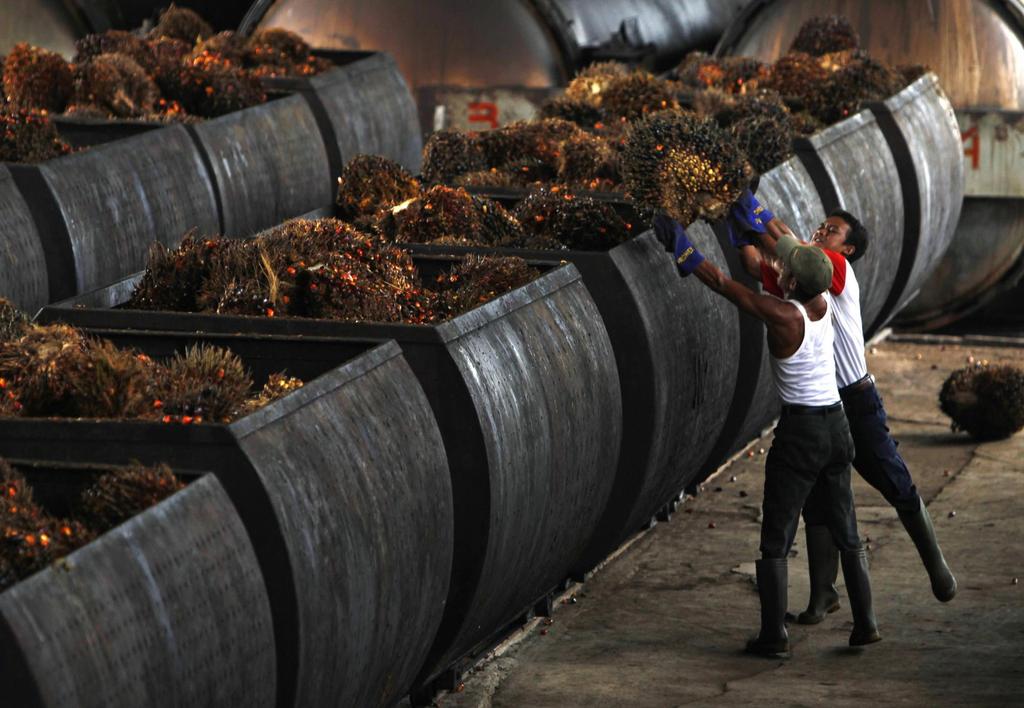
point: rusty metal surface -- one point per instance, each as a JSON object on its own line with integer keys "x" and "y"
{"x": 921, "y": 130}
{"x": 168, "y": 609}
{"x": 974, "y": 46}
{"x": 446, "y": 42}
{"x": 44, "y": 23}
{"x": 853, "y": 168}
{"x": 23, "y": 276}
{"x": 993, "y": 146}
{"x": 989, "y": 241}
{"x": 673, "y": 27}
{"x": 269, "y": 163}
{"x": 118, "y": 198}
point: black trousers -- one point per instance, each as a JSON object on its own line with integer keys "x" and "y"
{"x": 808, "y": 467}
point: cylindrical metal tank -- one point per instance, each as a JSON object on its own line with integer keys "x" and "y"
{"x": 342, "y": 486}
{"x": 169, "y": 608}
{"x": 976, "y": 47}
{"x": 474, "y": 64}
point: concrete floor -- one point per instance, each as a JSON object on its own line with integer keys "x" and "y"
{"x": 663, "y": 624}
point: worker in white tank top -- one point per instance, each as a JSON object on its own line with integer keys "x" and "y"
{"x": 812, "y": 450}
{"x": 807, "y": 377}
{"x": 843, "y": 238}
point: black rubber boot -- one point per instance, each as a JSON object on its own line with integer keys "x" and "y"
{"x": 772, "y": 579}
{"x": 858, "y": 587}
{"x": 919, "y": 525}
{"x": 823, "y": 567}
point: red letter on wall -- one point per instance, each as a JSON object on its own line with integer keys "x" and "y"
{"x": 484, "y": 112}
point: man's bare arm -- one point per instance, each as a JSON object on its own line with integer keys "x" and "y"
{"x": 751, "y": 259}
{"x": 767, "y": 308}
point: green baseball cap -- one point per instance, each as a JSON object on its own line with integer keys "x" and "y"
{"x": 808, "y": 264}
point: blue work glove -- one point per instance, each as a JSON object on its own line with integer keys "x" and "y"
{"x": 737, "y": 234}
{"x": 748, "y": 214}
{"x": 674, "y": 238}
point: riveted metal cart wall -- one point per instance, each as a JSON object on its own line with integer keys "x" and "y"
{"x": 526, "y": 395}
{"x": 342, "y": 486}
{"x": 168, "y": 608}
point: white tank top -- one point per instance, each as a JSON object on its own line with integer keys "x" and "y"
{"x": 808, "y": 376}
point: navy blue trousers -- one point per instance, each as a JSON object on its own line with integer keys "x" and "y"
{"x": 877, "y": 459}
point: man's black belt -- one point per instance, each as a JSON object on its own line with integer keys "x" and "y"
{"x": 859, "y": 385}
{"x": 794, "y": 409}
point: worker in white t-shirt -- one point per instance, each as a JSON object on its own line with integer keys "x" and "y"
{"x": 844, "y": 240}
{"x": 809, "y": 461}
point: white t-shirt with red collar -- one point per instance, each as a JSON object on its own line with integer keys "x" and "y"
{"x": 851, "y": 365}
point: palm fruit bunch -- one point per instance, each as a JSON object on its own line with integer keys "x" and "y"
{"x": 575, "y": 110}
{"x": 278, "y": 52}
{"x": 761, "y": 125}
{"x": 824, "y": 34}
{"x": 796, "y": 76}
{"x": 114, "y": 84}
{"x": 173, "y": 277}
{"x": 13, "y": 322}
{"x": 124, "y": 493}
{"x": 450, "y": 153}
{"x": 277, "y": 386}
{"x": 116, "y": 42}
{"x": 229, "y": 45}
{"x": 28, "y": 135}
{"x": 615, "y": 92}
{"x": 479, "y": 279}
{"x": 909, "y": 73}
{"x": 684, "y": 165}
{"x": 635, "y": 95}
{"x": 592, "y": 80}
{"x": 206, "y": 383}
{"x": 210, "y": 85}
{"x": 859, "y": 79}
{"x": 557, "y": 218}
{"x": 986, "y": 401}
{"x": 323, "y": 268}
{"x": 36, "y": 78}
{"x": 523, "y": 142}
{"x": 729, "y": 74}
{"x": 765, "y": 141}
{"x": 370, "y": 183}
{"x": 588, "y": 161}
{"x": 360, "y": 279}
{"x": 55, "y": 370}
{"x": 30, "y": 538}
{"x": 452, "y": 216}
{"x": 181, "y": 23}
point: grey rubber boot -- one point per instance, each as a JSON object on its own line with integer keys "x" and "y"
{"x": 772, "y": 579}
{"x": 919, "y": 525}
{"x": 823, "y": 567}
{"x": 858, "y": 587}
